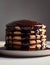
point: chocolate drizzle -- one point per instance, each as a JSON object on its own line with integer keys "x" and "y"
{"x": 12, "y": 39}
{"x": 35, "y": 29}
{"x": 7, "y": 41}
{"x": 25, "y": 41}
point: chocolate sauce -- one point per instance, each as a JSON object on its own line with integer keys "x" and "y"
{"x": 35, "y": 29}
{"x": 25, "y": 42}
{"x": 23, "y": 23}
{"x": 12, "y": 39}
{"x": 7, "y": 41}
{"x": 7, "y": 35}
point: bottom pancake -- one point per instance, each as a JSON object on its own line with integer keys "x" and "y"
{"x": 37, "y": 46}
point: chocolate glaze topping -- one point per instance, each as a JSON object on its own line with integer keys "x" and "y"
{"x": 23, "y": 23}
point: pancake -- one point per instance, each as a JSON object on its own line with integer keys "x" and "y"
{"x": 25, "y": 35}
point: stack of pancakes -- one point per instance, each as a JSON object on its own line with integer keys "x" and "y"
{"x": 25, "y": 35}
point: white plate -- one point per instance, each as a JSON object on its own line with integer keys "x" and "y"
{"x": 15, "y": 53}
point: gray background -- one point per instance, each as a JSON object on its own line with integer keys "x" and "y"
{"x": 11, "y": 10}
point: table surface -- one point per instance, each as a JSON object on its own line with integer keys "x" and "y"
{"x": 25, "y": 61}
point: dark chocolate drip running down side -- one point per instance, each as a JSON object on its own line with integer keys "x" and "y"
{"x": 25, "y": 42}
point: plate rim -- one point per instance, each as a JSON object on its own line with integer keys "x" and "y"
{"x": 25, "y": 53}
{"x": 37, "y": 55}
